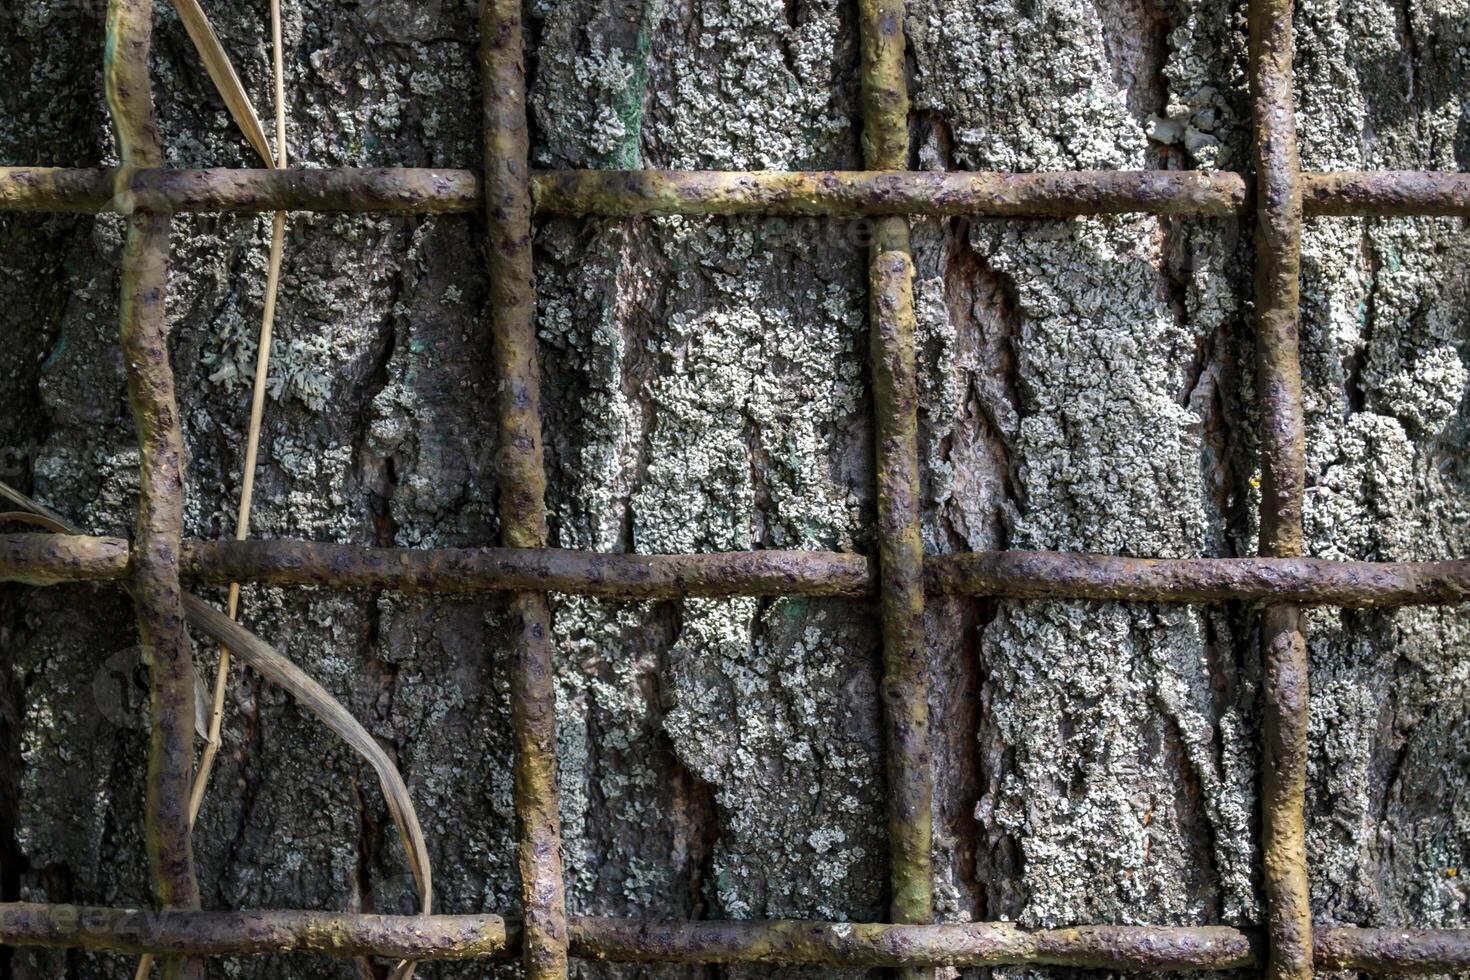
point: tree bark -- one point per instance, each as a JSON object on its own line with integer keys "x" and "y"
{"x": 1085, "y": 385}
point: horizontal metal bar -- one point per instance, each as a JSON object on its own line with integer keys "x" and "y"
{"x": 633, "y": 193}
{"x": 1309, "y": 581}
{"x": 248, "y": 933}
{"x": 1391, "y": 950}
{"x": 53, "y": 559}
{"x": 1155, "y": 948}
{"x": 1386, "y": 193}
{"x": 885, "y": 945}
{"x": 346, "y": 189}
{"x": 758, "y": 573}
{"x": 43, "y": 559}
{"x": 47, "y": 559}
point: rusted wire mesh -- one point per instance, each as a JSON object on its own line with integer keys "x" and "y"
{"x": 1283, "y": 580}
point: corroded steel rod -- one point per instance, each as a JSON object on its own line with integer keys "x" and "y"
{"x": 894, "y": 363}
{"x": 639, "y": 193}
{"x": 46, "y": 559}
{"x": 1386, "y": 192}
{"x": 788, "y": 942}
{"x": 54, "y": 559}
{"x": 406, "y": 190}
{"x": 913, "y": 946}
{"x": 157, "y": 595}
{"x": 901, "y": 566}
{"x": 741, "y": 573}
{"x": 871, "y": 193}
{"x": 1392, "y": 950}
{"x": 1283, "y": 469}
{"x": 435, "y": 937}
{"x": 1308, "y": 581}
{"x": 1145, "y": 948}
{"x": 522, "y": 479}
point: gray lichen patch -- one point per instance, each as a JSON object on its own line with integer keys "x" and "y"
{"x": 371, "y": 84}
{"x": 781, "y": 726}
{"x": 1106, "y": 457}
{"x": 1035, "y": 96}
{"x": 706, "y": 390}
{"x": 713, "y": 411}
{"x": 1385, "y": 350}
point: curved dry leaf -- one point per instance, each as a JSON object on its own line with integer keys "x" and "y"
{"x": 37, "y": 509}
{"x": 284, "y": 673}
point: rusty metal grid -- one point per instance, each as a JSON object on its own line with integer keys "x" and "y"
{"x": 1281, "y": 580}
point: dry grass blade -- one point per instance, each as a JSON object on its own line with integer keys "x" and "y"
{"x": 228, "y": 83}
{"x": 242, "y": 520}
{"x": 217, "y": 63}
{"x": 215, "y": 723}
{"x": 277, "y": 669}
{"x": 262, "y": 368}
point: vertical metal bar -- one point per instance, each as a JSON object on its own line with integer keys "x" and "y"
{"x": 1279, "y": 381}
{"x": 900, "y": 544}
{"x": 156, "y": 593}
{"x": 522, "y": 481}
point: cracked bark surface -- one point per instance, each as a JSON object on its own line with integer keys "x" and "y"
{"x": 706, "y": 388}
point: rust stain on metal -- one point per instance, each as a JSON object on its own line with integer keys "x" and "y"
{"x": 871, "y": 193}
{"x": 745, "y": 573}
{"x": 1392, "y": 950}
{"x": 435, "y": 937}
{"x": 900, "y": 544}
{"x": 44, "y": 559}
{"x": 912, "y": 946}
{"x": 1283, "y": 469}
{"x": 53, "y": 559}
{"x": 157, "y": 595}
{"x": 646, "y": 193}
{"x": 1386, "y": 192}
{"x": 901, "y": 562}
{"x": 1307, "y": 581}
{"x": 774, "y": 942}
{"x": 522, "y": 481}
{"x": 884, "y": 87}
{"x": 1278, "y": 273}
